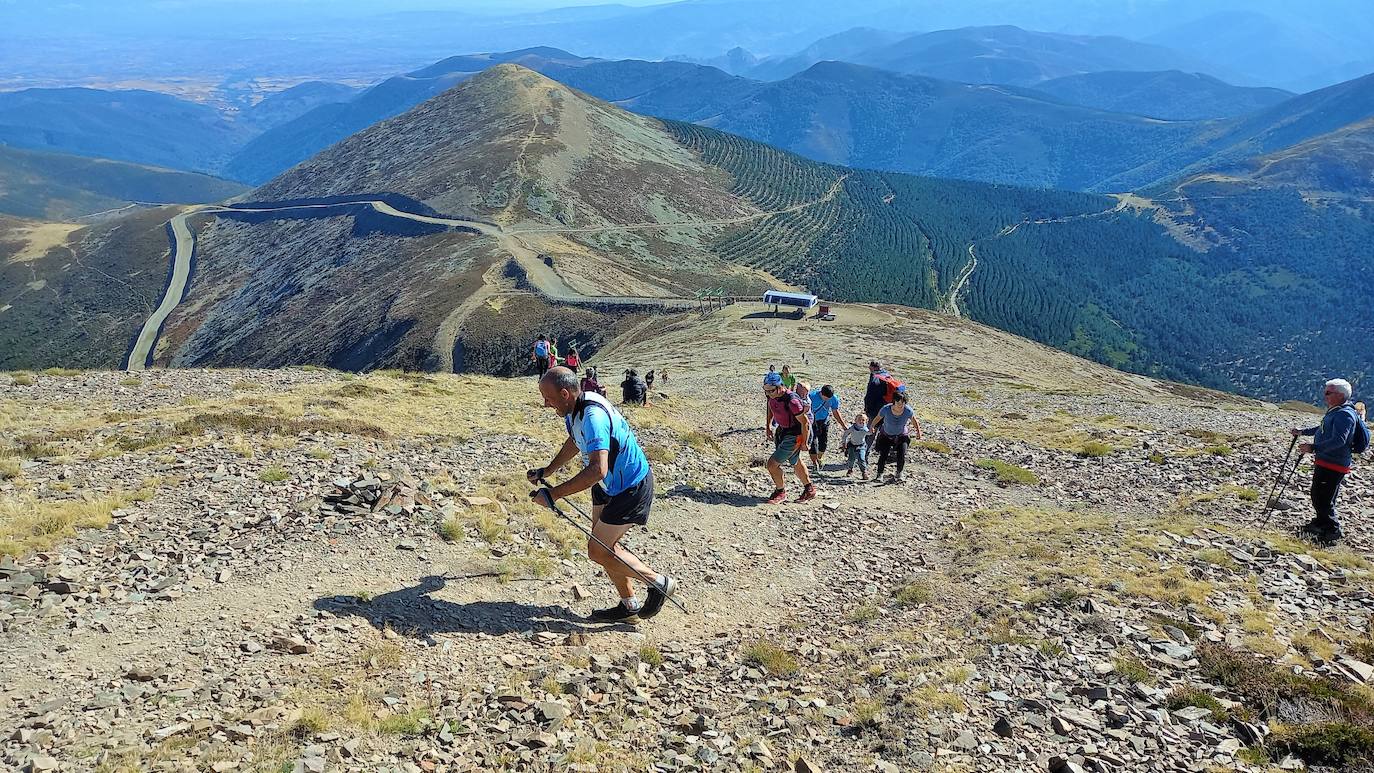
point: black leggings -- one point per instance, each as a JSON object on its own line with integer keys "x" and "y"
{"x": 1326, "y": 483}
{"x": 888, "y": 446}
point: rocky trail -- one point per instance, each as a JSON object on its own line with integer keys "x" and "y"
{"x": 308, "y": 570}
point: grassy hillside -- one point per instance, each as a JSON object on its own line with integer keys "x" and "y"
{"x": 54, "y": 186}
{"x": 74, "y": 298}
{"x": 1077, "y": 271}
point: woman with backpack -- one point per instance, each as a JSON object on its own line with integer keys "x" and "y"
{"x": 590, "y": 384}
{"x": 787, "y": 424}
{"x": 893, "y": 424}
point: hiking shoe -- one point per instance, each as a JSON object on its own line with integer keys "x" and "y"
{"x": 1320, "y": 533}
{"x": 777, "y": 497}
{"x": 616, "y": 614}
{"x": 808, "y": 494}
{"x": 654, "y": 603}
{"x": 897, "y": 478}
{"x": 864, "y": 477}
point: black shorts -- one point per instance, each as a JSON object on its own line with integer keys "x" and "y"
{"x": 820, "y": 436}
{"x": 630, "y": 506}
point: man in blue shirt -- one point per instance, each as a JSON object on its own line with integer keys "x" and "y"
{"x": 1334, "y": 443}
{"x": 622, "y": 485}
{"x": 823, "y": 404}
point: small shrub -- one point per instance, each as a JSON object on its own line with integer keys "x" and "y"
{"x": 452, "y": 529}
{"x": 23, "y": 379}
{"x": 319, "y": 453}
{"x": 1094, "y": 448}
{"x": 972, "y": 424}
{"x": 864, "y": 614}
{"x": 312, "y": 722}
{"x": 1216, "y": 557}
{"x": 1009, "y": 473}
{"x": 1333, "y": 744}
{"x": 773, "y": 659}
{"x": 411, "y": 723}
{"x": 650, "y": 654}
{"x": 273, "y": 475}
{"x": 866, "y": 713}
{"x": 1060, "y": 598}
{"x": 928, "y": 699}
{"x": 1133, "y": 670}
{"x": 913, "y": 593}
{"x": 1219, "y": 450}
{"x": 659, "y": 453}
{"x": 1051, "y": 649}
{"x": 700, "y": 441}
{"x": 938, "y": 446}
{"x": 1157, "y": 457}
{"x": 1182, "y": 697}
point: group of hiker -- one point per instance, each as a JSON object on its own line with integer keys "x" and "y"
{"x": 545, "y": 355}
{"x": 797, "y": 417}
{"x": 634, "y": 389}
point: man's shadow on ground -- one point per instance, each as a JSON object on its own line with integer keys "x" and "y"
{"x": 709, "y": 497}
{"x": 411, "y": 612}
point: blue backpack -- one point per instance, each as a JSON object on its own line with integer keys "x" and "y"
{"x": 1359, "y": 440}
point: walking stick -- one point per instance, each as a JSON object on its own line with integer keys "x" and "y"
{"x": 1283, "y": 467}
{"x": 1291, "y": 474}
{"x": 554, "y": 506}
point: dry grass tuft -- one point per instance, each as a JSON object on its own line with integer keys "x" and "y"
{"x": 28, "y": 524}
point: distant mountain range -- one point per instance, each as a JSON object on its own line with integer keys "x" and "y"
{"x": 1279, "y": 43}
{"x": 1087, "y": 130}
{"x": 859, "y": 116}
{"x": 1171, "y": 95}
{"x": 1016, "y": 57}
{"x": 1198, "y": 287}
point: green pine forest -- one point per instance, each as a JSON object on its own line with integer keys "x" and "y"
{"x": 1111, "y": 285}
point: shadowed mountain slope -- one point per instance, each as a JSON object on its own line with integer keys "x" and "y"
{"x": 142, "y": 127}
{"x": 55, "y": 186}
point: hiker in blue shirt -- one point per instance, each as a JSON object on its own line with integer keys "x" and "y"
{"x": 1335, "y": 441}
{"x": 541, "y": 355}
{"x": 622, "y": 485}
{"x": 824, "y": 402}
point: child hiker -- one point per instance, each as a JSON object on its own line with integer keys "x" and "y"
{"x": 855, "y": 438}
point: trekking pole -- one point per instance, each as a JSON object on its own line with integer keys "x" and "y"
{"x": 1283, "y": 467}
{"x": 1291, "y": 475}
{"x": 603, "y": 545}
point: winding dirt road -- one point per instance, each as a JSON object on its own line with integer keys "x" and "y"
{"x": 951, "y": 304}
{"x": 544, "y": 279}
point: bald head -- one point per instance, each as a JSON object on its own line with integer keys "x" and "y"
{"x": 560, "y": 389}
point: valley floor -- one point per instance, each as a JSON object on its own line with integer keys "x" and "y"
{"x": 1071, "y": 570}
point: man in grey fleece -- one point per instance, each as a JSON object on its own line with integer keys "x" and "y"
{"x": 1332, "y": 446}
